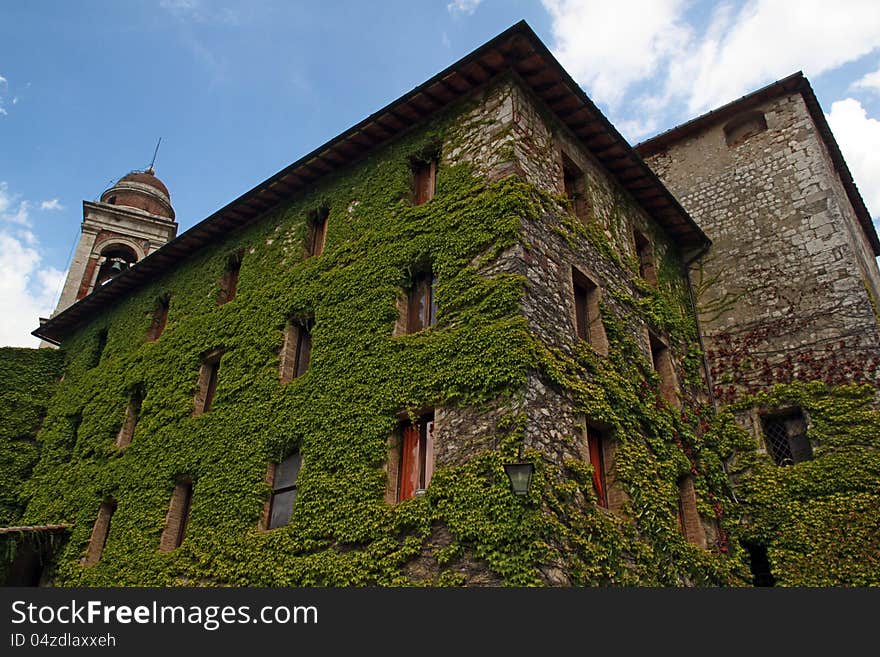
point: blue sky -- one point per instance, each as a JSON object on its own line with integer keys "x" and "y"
{"x": 239, "y": 89}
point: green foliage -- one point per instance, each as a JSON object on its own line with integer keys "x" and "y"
{"x": 29, "y": 377}
{"x": 819, "y": 519}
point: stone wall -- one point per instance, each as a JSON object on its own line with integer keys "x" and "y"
{"x": 783, "y": 292}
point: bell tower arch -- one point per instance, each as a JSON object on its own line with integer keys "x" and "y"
{"x": 133, "y": 218}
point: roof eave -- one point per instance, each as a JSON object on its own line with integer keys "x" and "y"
{"x": 517, "y": 48}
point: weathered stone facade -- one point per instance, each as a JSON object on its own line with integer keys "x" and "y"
{"x": 561, "y": 333}
{"x": 789, "y": 288}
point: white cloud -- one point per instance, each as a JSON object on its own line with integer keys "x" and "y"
{"x": 4, "y": 84}
{"x": 870, "y": 81}
{"x": 695, "y": 67}
{"x": 859, "y": 138}
{"x": 13, "y": 210}
{"x": 27, "y": 290}
{"x": 464, "y": 7}
{"x": 199, "y": 12}
{"x": 607, "y": 53}
{"x": 52, "y": 204}
{"x": 768, "y": 39}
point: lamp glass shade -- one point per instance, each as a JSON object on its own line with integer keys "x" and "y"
{"x": 520, "y": 474}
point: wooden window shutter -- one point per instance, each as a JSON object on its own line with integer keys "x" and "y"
{"x": 409, "y": 462}
{"x": 597, "y": 460}
{"x": 424, "y": 181}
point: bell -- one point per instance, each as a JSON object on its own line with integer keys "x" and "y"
{"x": 117, "y": 267}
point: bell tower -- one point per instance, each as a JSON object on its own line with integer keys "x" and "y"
{"x": 133, "y": 218}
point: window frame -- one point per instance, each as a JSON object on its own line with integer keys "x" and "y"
{"x": 423, "y": 433}
{"x": 159, "y": 318}
{"x": 296, "y": 350}
{"x": 209, "y": 374}
{"x": 785, "y": 416}
{"x": 279, "y": 490}
{"x": 316, "y": 232}
{"x": 421, "y": 305}
{"x": 100, "y": 532}
{"x": 229, "y": 280}
{"x": 424, "y": 179}
{"x": 588, "y": 324}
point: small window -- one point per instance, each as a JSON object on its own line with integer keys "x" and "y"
{"x": 688, "y": 516}
{"x": 160, "y": 317}
{"x": 100, "y": 532}
{"x": 98, "y": 349}
{"x": 416, "y": 457}
{"x": 316, "y": 234}
{"x": 297, "y": 350}
{"x": 208, "y": 374}
{"x": 421, "y": 305}
{"x": 759, "y": 564}
{"x": 424, "y": 175}
{"x": 645, "y": 256}
{"x": 132, "y": 414}
{"x": 600, "y": 448}
{"x": 112, "y": 200}
{"x": 284, "y": 490}
{"x": 597, "y": 444}
{"x": 744, "y": 127}
{"x": 574, "y": 186}
{"x": 785, "y": 435}
{"x": 588, "y": 321}
{"x": 229, "y": 280}
{"x": 177, "y": 519}
{"x": 661, "y": 359}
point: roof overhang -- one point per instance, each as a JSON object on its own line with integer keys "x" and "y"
{"x": 517, "y": 49}
{"x": 795, "y": 83}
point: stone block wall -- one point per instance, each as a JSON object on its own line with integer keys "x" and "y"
{"x": 785, "y": 290}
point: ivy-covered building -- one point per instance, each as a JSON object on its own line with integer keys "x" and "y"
{"x": 322, "y": 382}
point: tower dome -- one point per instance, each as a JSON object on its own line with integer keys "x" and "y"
{"x": 141, "y": 190}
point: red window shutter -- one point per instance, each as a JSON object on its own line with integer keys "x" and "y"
{"x": 409, "y": 463}
{"x": 595, "y": 442}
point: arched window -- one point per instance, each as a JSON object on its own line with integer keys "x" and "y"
{"x": 744, "y": 126}
{"x": 116, "y": 259}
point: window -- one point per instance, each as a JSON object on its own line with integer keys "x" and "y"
{"x": 645, "y": 256}
{"x": 100, "y": 532}
{"x": 229, "y": 280}
{"x": 744, "y": 127}
{"x": 132, "y": 413}
{"x": 588, "y": 321}
{"x": 596, "y": 444}
{"x": 601, "y": 449}
{"x": 574, "y": 187}
{"x": 661, "y": 358}
{"x": 316, "y": 233}
{"x": 284, "y": 490}
{"x": 177, "y": 519}
{"x": 112, "y": 200}
{"x": 297, "y": 350}
{"x": 759, "y": 564}
{"x": 160, "y": 317}
{"x": 424, "y": 174}
{"x": 688, "y": 516}
{"x": 208, "y": 373}
{"x": 421, "y": 307}
{"x": 98, "y": 349}
{"x": 416, "y": 457}
{"x": 785, "y": 435}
